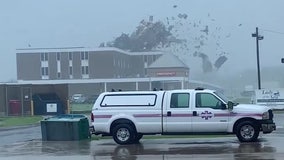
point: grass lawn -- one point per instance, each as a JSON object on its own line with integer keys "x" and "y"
{"x": 19, "y": 121}
{"x": 81, "y": 108}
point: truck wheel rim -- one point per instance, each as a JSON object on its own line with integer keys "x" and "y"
{"x": 123, "y": 134}
{"x": 247, "y": 131}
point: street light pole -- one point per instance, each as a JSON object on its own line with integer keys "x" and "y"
{"x": 257, "y": 37}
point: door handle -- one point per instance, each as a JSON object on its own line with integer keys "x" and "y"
{"x": 194, "y": 113}
{"x": 169, "y": 113}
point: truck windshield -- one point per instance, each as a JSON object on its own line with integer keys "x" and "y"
{"x": 222, "y": 96}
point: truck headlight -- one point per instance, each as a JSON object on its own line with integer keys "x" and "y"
{"x": 265, "y": 115}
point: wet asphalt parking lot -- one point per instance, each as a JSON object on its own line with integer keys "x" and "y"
{"x": 25, "y": 143}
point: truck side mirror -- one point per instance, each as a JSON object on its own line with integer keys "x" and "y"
{"x": 230, "y": 105}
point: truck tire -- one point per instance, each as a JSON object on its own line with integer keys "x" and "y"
{"x": 123, "y": 134}
{"x": 247, "y": 131}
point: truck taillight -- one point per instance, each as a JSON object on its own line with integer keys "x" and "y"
{"x": 92, "y": 117}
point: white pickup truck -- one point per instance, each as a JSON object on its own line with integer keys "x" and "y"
{"x": 127, "y": 116}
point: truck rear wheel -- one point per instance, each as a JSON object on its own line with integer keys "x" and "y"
{"x": 123, "y": 134}
{"x": 247, "y": 131}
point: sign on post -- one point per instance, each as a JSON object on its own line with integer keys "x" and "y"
{"x": 273, "y": 98}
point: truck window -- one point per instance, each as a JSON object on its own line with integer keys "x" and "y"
{"x": 179, "y": 100}
{"x": 124, "y": 100}
{"x": 207, "y": 100}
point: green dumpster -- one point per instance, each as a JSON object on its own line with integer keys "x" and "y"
{"x": 67, "y": 127}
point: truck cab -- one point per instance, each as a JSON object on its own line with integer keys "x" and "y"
{"x": 195, "y": 111}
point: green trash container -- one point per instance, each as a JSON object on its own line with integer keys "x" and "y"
{"x": 67, "y": 127}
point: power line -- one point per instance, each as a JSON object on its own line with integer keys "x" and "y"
{"x": 272, "y": 31}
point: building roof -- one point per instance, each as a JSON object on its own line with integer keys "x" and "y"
{"x": 168, "y": 60}
{"x": 117, "y": 80}
{"x": 83, "y": 49}
{"x": 110, "y": 80}
{"x": 69, "y": 49}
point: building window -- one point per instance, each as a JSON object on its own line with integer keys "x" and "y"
{"x": 70, "y": 56}
{"x": 124, "y": 64}
{"x": 44, "y": 71}
{"x": 70, "y": 70}
{"x": 84, "y": 55}
{"x": 145, "y": 58}
{"x": 58, "y": 56}
{"x": 44, "y": 57}
{"x": 118, "y": 63}
{"x": 58, "y": 75}
{"x": 85, "y": 70}
{"x": 154, "y": 57}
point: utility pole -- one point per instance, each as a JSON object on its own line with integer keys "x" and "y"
{"x": 257, "y": 37}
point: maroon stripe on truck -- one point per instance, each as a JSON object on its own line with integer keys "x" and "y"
{"x": 222, "y": 114}
{"x": 246, "y": 114}
{"x": 102, "y": 116}
{"x": 146, "y": 115}
{"x": 236, "y": 114}
{"x": 179, "y": 115}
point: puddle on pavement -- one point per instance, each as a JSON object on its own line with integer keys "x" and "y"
{"x": 184, "y": 149}
{"x": 47, "y": 148}
{"x": 156, "y": 149}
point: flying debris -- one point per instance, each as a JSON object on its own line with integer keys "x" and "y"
{"x": 168, "y": 21}
{"x": 174, "y": 6}
{"x": 206, "y": 30}
{"x": 206, "y": 64}
{"x": 170, "y": 27}
{"x": 182, "y": 16}
{"x": 240, "y": 24}
{"x": 148, "y": 36}
{"x": 197, "y": 47}
{"x": 220, "y": 61}
{"x": 178, "y": 34}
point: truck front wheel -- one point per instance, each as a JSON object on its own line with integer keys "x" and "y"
{"x": 123, "y": 134}
{"x": 247, "y": 131}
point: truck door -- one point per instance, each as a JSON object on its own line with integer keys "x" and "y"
{"x": 177, "y": 113}
{"x": 209, "y": 114}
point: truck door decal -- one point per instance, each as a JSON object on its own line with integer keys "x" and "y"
{"x": 206, "y": 115}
